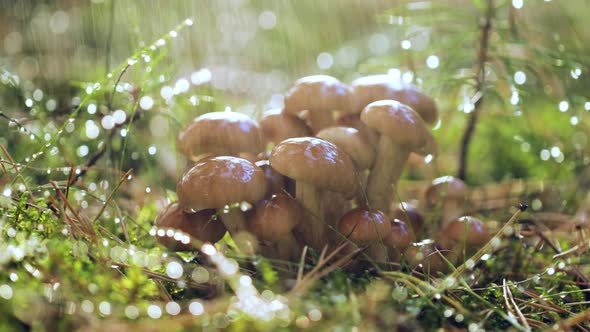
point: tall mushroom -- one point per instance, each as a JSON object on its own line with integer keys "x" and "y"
{"x": 272, "y": 220}
{"x": 218, "y": 182}
{"x": 314, "y": 165}
{"x": 320, "y": 96}
{"x": 379, "y": 87}
{"x": 220, "y": 134}
{"x": 401, "y": 131}
{"x": 362, "y": 154}
{"x": 202, "y": 225}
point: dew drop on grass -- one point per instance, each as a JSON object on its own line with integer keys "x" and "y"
{"x": 154, "y": 311}
{"x": 196, "y": 308}
{"x": 131, "y": 312}
{"x": 172, "y": 308}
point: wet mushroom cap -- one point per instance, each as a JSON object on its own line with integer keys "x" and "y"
{"x": 410, "y": 215}
{"x": 361, "y": 226}
{"x": 274, "y": 218}
{"x": 379, "y": 87}
{"x": 202, "y": 225}
{"x": 318, "y": 93}
{"x": 399, "y": 122}
{"x": 400, "y": 236}
{"x": 466, "y": 229}
{"x": 315, "y": 161}
{"x": 446, "y": 187}
{"x": 278, "y": 125}
{"x": 219, "y": 181}
{"x": 352, "y": 142}
{"x": 220, "y": 133}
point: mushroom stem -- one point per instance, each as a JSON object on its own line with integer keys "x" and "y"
{"x": 233, "y": 219}
{"x": 387, "y": 168}
{"x": 377, "y": 252}
{"x": 312, "y": 228}
{"x": 319, "y": 120}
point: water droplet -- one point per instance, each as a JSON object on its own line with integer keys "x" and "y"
{"x": 432, "y": 61}
{"x": 196, "y": 308}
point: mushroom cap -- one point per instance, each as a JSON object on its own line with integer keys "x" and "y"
{"x": 202, "y": 225}
{"x": 278, "y": 125}
{"x": 399, "y": 122}
{"x": 400, "y": 236}
{"x": 379, "y": 87}
{"x": 318, "y": 93}
{"x": 426, "y": 253}
{"x": 352, "y": 142}
{"x": 275, "y": 181}
{"x": 466, "y": 229}
{"x": 363, "y": 227}
{"x": 216, "y": 182}
{"x": 220, "y": 133}
{"x": 447, "y": 188}
{"x": 409, "y": 214}
{"x": 274, "y": 218}
{"x": 354, "y": 121}
{"x": 315, "y": 161}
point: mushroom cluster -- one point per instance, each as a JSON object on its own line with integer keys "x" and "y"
{"x": 321, "y": 171}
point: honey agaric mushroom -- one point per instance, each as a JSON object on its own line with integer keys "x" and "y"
{"x": 320, "y": 96}
{"x": 450, "y": 195}
{"x": 366, "y": 228}
{"x": 463, "y": 236}
{"x": 314, "y": 165}
{"x": 202, "y": 225}
{"x": 273, "y": 220}
{"x": 426, "y": 256}
{"x": 411, "y": 216}
{"x": 401, "y": 131}
{"x": 278, "y": 125}
{"x": 218, "y": 182}
{"x": 220, "y": 134}
{"x": 400, "y": 237}
{"x": 380, "y": 87}
{"x": 358, "y": 148}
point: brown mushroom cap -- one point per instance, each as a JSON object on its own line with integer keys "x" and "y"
{"x": 464, "y": 230}
{"x": 410, "y": 215}
{"x": 274, "y": 218}
{"x": 315, "y": 161}
{"x": 352, "y": 142}
{"x": 447, "y": 188}
{"x": 220, "y": 133}
{"x": 202, "y": 225}
{"x": 278, "y": 125}
{"x": 354, "y": 121}
{"x": 427, "y": 254}
{"x": 275, "y": 182}
{"x": 400, "y": 236}
{"x": 379, "y": 87}
{"x": 216, "y": 182}
{"x": 399, "y": 122}
{"x": 363, "y": 227}
{"x": 318, "y": 93}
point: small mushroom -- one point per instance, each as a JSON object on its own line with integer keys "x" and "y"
{"x": 320, "y": 96}
{"x": 449, "y": 194}
{"x": 411, "y": 216}
{"x": 380, "y": 87}
{"x": 220, "y": 134}
{"x": 401, "y": 131}
{"x": 427, "y": 257}
{"x": 278, "y": 125}
{"x": 398, "y": 240}
{"x": 314, "y": 165}
{"x": 353, "y": 120}
{"x": 463, "y": 236}
{"x": 202, "y": 225}
{"x": 272, "y": 220}
{"x": 217, "y": 183}
{"x": 366, "y": 228}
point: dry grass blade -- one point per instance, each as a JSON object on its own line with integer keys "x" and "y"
{"x": 106, "y": 203}
{"x": 510, "y": 303}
